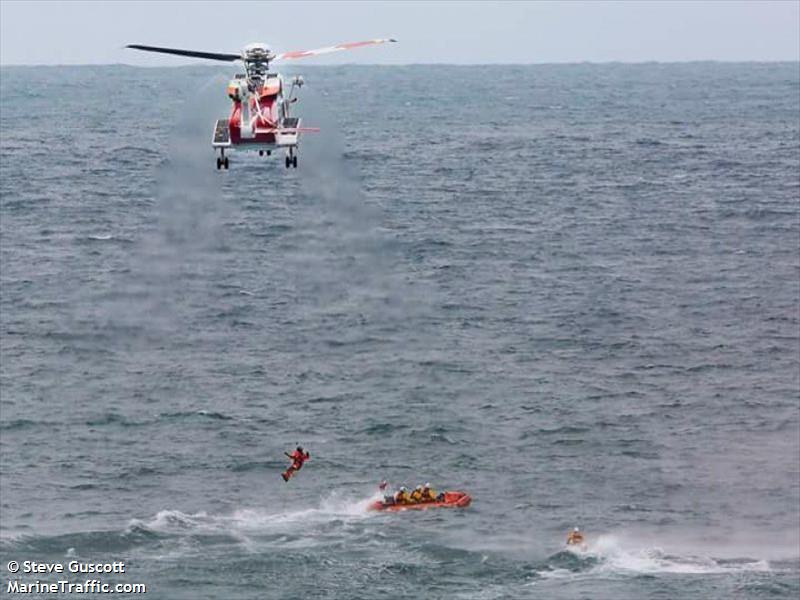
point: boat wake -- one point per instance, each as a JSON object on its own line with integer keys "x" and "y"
{"x": 331, "y": 510}
{"x": 175, "y": 531}
{"x": 608, "y": 555}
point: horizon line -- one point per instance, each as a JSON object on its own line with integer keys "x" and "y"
{"x": 447, "y": 64}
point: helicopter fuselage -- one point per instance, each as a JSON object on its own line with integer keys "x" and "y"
{"x": 260, "y": 119}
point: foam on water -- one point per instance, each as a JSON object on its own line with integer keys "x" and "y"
{"x": 616, "y": 556}
{"x": 613, "y": 555}
{"x": 332, "y": 508}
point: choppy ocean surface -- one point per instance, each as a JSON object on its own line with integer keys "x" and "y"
{"x": 572, "y": 291}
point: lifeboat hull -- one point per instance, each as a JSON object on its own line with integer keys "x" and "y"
{"x": 451, "y": 500}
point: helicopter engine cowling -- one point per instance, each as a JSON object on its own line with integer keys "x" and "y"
{"x": 235, "y": 90}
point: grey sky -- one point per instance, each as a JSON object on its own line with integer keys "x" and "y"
{"x": 443, "y": 32}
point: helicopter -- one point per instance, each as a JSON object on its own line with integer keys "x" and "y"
{"x": 260, "y": 118}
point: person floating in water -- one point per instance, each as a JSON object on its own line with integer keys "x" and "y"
{"x": 575, "y": 537}
{"x": 298, "y": 458}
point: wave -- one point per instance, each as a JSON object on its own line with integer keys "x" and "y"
{"x": 84, "y": 543}
{"x": 383, "y": 428}
{"x": 208, "y": 414}
{"x": 22, "y": 424}
{"x": 563, "y": 429}
{"x": 112, "y": 418}
{"x": 116, "y": 151}
{"x": 102, "y": 237}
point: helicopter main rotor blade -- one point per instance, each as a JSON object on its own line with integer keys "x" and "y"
{"x": 327, "y": 50}
{"x": 192, "y": 53}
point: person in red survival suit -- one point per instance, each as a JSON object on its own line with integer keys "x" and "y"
{"x": 298, "y": 458}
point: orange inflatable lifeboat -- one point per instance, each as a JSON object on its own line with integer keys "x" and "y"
{"x": 446, "y": 500}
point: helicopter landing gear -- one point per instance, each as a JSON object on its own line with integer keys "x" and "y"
{"x": 291, "y": 159}
{"x": 222, "y": 161}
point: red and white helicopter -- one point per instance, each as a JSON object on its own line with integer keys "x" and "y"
{"x": 260, "y": 118}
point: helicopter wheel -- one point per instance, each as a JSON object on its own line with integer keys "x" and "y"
{"x": 288, "y": 162}
{"x": 219, "y": 163}
{"x": 261, "y": 153}
{"x": 294, "y": 161}
{"x": 225, "y": 163}
{"x": 269, "y": 152}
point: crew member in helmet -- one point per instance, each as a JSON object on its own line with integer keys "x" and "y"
{"x": 402, "y": 497}
{"x": 298, "y": 458}
{"x": 428, "y": 493}
{"x": 575, "y": 537}
{"x": 416, "y": 495}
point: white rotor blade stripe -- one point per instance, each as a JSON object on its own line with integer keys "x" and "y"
{"x": 329, "y": 49}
